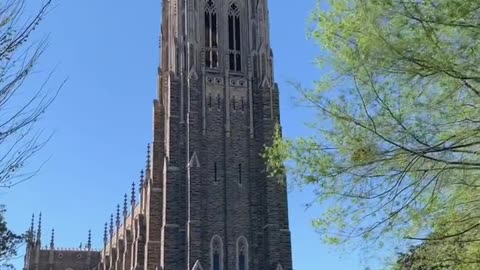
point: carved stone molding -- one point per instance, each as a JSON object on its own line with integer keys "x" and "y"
{"x": 238, "y": 82}
{"x": 216, "y": 80}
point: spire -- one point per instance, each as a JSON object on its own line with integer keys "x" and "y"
{"x": 111, "y": 226}
{"x": 149, "y": 158}
{"x": 132, "y": 200}
{"x": 117, "y": 220}
{"x": 52, "y": 239}
{"x": 142, "y": 177}
{"x": 89, "y": 240}
{"x": 32, "y": 224}
{"x": 125, "y": 211}
{"x": 39, "y": 230}
{"x": 105, "y": 234}
{"x": 31, "y": 231}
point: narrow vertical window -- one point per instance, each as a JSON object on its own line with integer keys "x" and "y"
{"x": 215, "y": 177}
{"x": 254, "y": 36}
{"x": 216, "y": 260}
{"x": 237, "y": 33}
{"x": 241, "y": 262}
{"x": 214, "y": 35}
{"x": 232, "y": 61}
{"x": 211, "y": 35}
{"x": 208, "y": 61}
{"x": 240, "y": 180}
{"x": 234, "y": 38}
{"x": 255, "y": 66}
{"x": 216, "y": 253}
{"x": 238, "y": 62}
{"x": 231, "y": 31}
{"x": 242, "y": 254}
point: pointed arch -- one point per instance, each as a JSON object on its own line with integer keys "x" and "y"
{"x": 242, "y": 253}
{"x": 234, "y": 37}
{"x": 197, "y": 266}
{"x": 211, "y": 34}
{"x": 216, "y": 253}
{"x": 279, "y": 267}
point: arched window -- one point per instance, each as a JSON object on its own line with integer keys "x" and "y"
{"x": 216, "y": 253}
{"x": 234, "y": 42}
{"x": 211, "y": 35}
{"x": 242, "y": 253}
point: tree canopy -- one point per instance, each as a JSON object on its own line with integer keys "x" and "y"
{"x": 395, "y": 147}
{"x": 9, "y": 241}
{"x": 21, "y": 106}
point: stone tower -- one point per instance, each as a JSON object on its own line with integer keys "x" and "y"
{"x": 210, "y": 202}
{"x": 205, "y": 201}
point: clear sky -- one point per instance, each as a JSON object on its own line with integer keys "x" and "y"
{"x": 108, "y": 50}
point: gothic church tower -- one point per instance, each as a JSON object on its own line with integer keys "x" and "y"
{"x": 204, "y": 201}
{"x": 210, "y": 204}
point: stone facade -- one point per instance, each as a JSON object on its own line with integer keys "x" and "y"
{"x": 206, "y": 201}
{"x": 53, "y": 258}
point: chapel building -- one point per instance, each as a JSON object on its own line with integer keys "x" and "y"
{"x": 205, "y": 200}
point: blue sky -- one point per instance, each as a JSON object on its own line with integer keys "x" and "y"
{"x": 101, "y": 121}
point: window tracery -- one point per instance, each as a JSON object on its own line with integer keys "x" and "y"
{"x": 234, "y": 38}
{"x": 211, "y": 35}
{"x": 242, "y": 253}
{"x": 216, "y": 253}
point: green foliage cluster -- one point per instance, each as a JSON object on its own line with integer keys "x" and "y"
{"x": 396, "y": 144}
{"x": 9, "y": 241}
